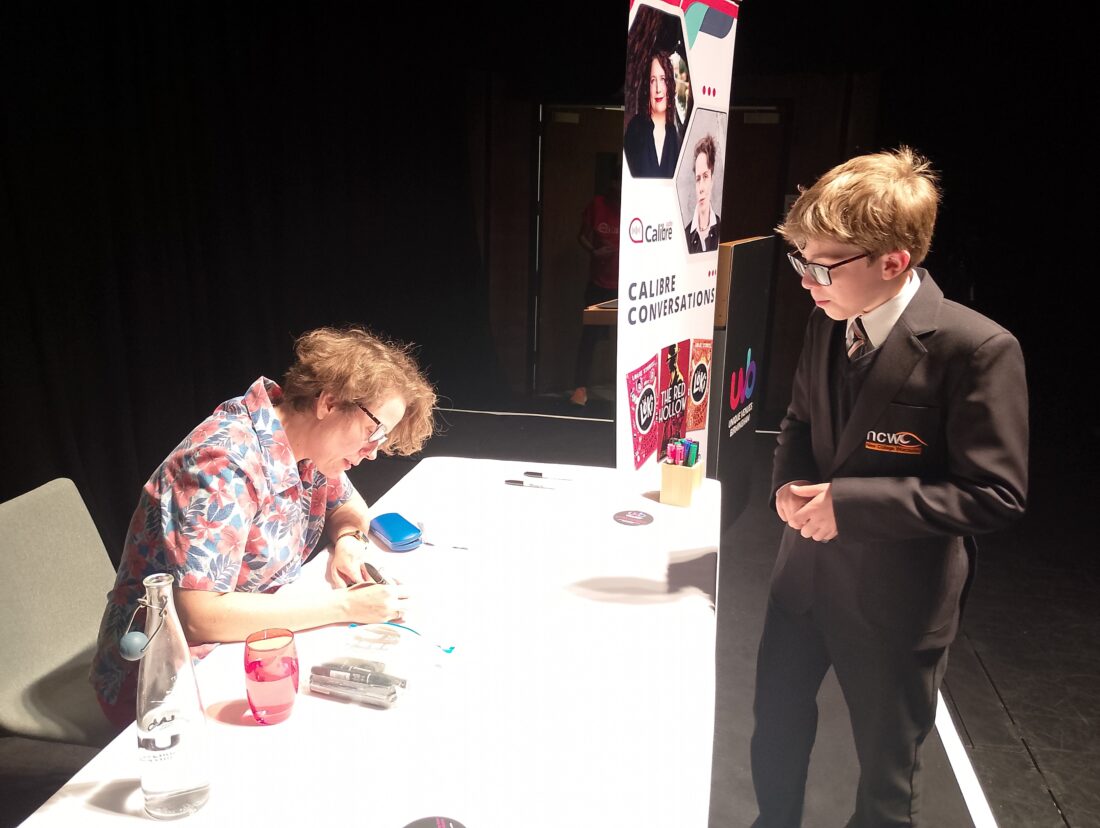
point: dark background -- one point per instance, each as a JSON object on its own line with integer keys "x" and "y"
{"x": 184, "y": 187}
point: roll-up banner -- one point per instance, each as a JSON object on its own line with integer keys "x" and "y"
{"x": 679, "y": 63}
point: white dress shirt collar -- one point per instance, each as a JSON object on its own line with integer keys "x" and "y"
{"x": 879, "y": 322}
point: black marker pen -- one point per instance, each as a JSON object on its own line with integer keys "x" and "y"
{"x": 373, "y": 572}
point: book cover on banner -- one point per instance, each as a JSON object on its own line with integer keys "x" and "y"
{"x": 641, "y": 392}
{"x": 672, "y": 413}
{"x": 702, "y": 351}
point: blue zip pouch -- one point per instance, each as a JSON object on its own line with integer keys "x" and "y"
{"x": 395, "y": 532}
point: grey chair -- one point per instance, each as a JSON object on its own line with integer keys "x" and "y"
{"x": 54, "y": 579}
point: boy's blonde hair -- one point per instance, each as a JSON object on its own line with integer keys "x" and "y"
{"x": 879, "y": 202}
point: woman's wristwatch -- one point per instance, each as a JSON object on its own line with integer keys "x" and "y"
{"x": 361, "y": 536}
{"x": 358, "y": 534}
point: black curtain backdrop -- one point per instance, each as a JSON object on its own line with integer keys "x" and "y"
{"x": 997, "y": 94}
{"x": 185, "y": 188}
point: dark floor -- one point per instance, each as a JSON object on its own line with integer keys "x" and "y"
{"x": 1023, "y": 684}
{"x": 1025, "y": 676}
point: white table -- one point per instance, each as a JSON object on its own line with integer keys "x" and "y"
{"x": 580, "y": 691}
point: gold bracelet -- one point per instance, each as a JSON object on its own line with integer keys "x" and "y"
{"x": 358, "y": 534}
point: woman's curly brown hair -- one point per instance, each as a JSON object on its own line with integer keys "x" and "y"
{"x": 355, "y": 365}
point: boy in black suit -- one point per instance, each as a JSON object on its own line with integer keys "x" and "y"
{"x": 906, "y": 435}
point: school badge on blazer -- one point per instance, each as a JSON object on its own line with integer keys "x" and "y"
{"x": 895, "y": 442}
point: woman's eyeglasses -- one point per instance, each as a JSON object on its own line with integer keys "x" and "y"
{"x": 380, "y": 434}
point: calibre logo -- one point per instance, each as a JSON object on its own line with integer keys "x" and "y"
{"x": 895, "y": 442}
{"x": 641, "y": 232}
{"x": 743, "y": 382}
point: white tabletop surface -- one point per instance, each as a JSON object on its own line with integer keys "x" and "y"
{"x": 580, "y": 690}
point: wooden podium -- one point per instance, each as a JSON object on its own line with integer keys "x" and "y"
{"x": 605, "y": 313}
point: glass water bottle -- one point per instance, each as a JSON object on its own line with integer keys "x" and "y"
{"x": 171, "y": 724}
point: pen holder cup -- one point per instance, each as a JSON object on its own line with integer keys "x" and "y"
{"x": 678, "y": 483}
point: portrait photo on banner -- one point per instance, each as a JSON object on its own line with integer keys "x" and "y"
{"x": 699, "y": 181}
{"x": 658, "y": 99}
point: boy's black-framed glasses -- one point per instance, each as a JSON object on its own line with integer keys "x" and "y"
{"x": 820, "y": 273}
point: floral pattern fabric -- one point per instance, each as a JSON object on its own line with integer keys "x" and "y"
{"x": 230, "y": 509}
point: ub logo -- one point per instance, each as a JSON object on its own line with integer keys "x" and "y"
{"x": 743, "y": 382}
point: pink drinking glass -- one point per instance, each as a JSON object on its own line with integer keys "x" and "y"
{"x": 271, "y": 674}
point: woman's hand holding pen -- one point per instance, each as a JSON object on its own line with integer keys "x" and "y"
{"x": 370, "y": 603}
{"x": 369, "y": 597}
{"x": 345, "y": 563}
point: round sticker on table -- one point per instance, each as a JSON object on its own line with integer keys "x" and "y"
{"x": 435, "y": 822}
{"x": 633, "y": 518}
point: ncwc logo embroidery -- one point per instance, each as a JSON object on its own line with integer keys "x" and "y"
{"x": 896, "y": 442}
